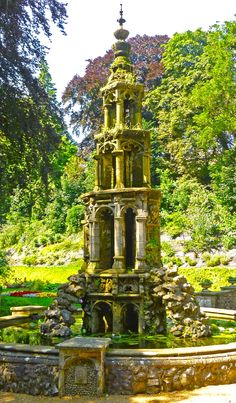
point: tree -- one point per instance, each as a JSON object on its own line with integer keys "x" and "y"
{"x": 82, "y": 96}
{"x": 195, "y": 103}
{"x": 195, "y": 109}
{"x": 31, "y": 121}
{"x": 21, "y": 23}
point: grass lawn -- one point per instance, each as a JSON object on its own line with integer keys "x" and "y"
{"x": 55, "y": 275}
{"x": 7, "y": 302}
{"x": 52, "y": 274}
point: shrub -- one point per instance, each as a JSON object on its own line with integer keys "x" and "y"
{"x": 175, "y": 223}
{"x": 74, "y": 217}
{"x": 206, "y": 256}
{"x": 229, "y": 241}
{"x": 176, "y": 261}
{"x": 224, "y": 260}
{"x": 167, "y": 248}
{"x": 11, "y": 234}
{"x": 30, "y": 260}
{"x": 215, "y": 260}
{"x": 191, "y": 262}
{"x": 171, "y": 261}
{"x": 39, "y": 285}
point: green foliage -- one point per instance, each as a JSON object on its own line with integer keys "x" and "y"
{"x": 193, "y": 146}
{"x": 217, "y": 275}
{"x": 10, "y": 235}
{"x": 153, "y": 252}
{"x": 20, "y": 335}
{"x": 215, "y": 260}
{"x": 197, "y": 213}
{"x": 31, "y": 121}
{"x": 167, "y": 248}
{"x": 74, "y": 217}
{"x": 195, "y": 162}
{"x": 194, "y": 105}
{"x": 223, "y": 323}
{"x": 168, "y": 255}
{"x": 53, "y": 275}
{"x": 172, "y": 261}
{"x": 40, "y": 285}
{"x": 9, "y": 302}
{"x": 4, "y": 267}
{"x": 30, "y": 260}
{"x": 191, "y": 262}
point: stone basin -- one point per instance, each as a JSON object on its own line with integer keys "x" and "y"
{"x": 132, "y": 371}
{"x": 126, "y": 371}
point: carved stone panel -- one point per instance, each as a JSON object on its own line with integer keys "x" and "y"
{"x": 81, "y": 378}
{"x": 128, "y": 285}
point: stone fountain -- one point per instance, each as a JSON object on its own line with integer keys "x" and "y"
{"x": 123, "y": 286}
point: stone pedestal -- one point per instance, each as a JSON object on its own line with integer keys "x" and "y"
{"x": 81, "y": 362}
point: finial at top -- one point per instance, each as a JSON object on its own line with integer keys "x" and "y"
{"x": 121, "y": 34}
{"x": 121, "y": 19}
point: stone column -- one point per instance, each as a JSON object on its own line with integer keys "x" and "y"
{"x": 140, "y": 260}
{"x": 106, "y": 117}
{"x": 138, "y": 115}
{"x": 119, "y": 259}
{"x": 119, "y": 154}
{"x": 119, "y": 109}
{"x": 119, "y": 112}
{"x": 146, "y": 169}
{"x": 97, "y": 175}
{"x": 117, "y": 325}
{"x": 94, "y": 246}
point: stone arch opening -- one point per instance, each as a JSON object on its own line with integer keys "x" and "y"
{"x": 130, "y": 318}
{"x": 102, "y": 318}
{"x": 130, "y": 238}
{"x": 106, "y": 238}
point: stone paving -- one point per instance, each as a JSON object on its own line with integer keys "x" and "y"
{"x": 209, "y": 394}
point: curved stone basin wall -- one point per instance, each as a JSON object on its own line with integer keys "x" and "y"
{"x": 35, "y": 369}
{"x": 153, "y": 371}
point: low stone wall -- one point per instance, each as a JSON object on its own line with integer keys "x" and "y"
{"x": 35, "y": 370}
{"x": 224, "y": 299}
{"x": 28, "y": 369}
{"x": 153, "y": 371}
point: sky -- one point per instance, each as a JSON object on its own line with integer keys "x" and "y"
{"x": 91, "y": 24}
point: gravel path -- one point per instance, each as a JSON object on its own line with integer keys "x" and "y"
{"x": 209, "y": 394}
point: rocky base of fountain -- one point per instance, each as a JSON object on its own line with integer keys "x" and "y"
{"x": 165, "y": 285}
{"x": 183, "y": 310}
{"x": 59, "y": 316}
